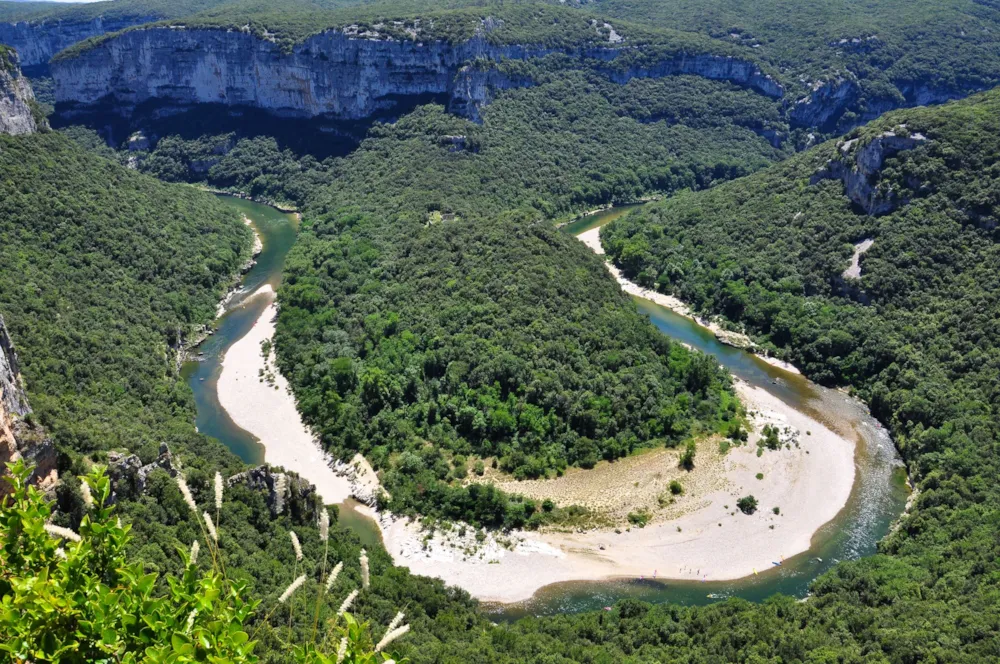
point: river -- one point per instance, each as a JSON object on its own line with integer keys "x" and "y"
{"x": 877, "y": 499}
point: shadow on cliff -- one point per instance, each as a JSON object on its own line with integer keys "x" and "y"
{"x": 319, "y": 137}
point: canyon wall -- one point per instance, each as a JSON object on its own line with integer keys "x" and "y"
{"x": 16, "y": 97}
{"x": 331, "y": 74}
{"x": 860, "y": 165}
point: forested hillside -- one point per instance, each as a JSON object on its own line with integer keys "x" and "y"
{"x": 861, "y": 58}
{"x": 371, "y": 323}
{"x": 914, "y": 336}
{"x": 101, "y": 270}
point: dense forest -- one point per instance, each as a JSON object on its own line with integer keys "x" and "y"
{"x": 573, "y": 141}
{"x": 504, "y": 340}
{"x": 100, "y": 268}
{"x": 102, "y": 273}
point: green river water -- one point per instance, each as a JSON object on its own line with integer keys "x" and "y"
{"x": 878, "y": 497}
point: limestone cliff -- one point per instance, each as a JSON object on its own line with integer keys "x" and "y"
{"x": 860, "y": 164}
{"x": 828, "y": 101}
{"x": 332, "y": 74}
{"x": 19, "y": 438}
{"x": 38, "y": 41}
{"x": 16, "y": 97}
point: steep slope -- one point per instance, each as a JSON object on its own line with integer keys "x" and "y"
{"x": 102, "y": 274}
{"x": 16, "y": 98}
{"x": 20, "y": 438}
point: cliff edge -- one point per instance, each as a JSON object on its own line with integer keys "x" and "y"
{"x": 16, "y": 97}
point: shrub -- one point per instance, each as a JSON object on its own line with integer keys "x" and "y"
{"x": 676, "y": 488}
{"x": 747, "y": 504}
{"x": 74, "y": 596}
{"x": 639, "y": 518}
{"x": 687, "y": 457}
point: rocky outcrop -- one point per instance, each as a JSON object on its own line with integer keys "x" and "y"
{"x": 38, "y": 41}
{"x": 859, "y": 166}
{"x": 20, "y": 438}
{"x": 828, "y": 100}
{"x": 285, "y": 493}
{"x": 332, "y": 74}
{"x": 129, "y": 476}
{"x": 16, "y": 97}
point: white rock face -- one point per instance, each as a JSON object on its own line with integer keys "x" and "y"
{"x": 15, "y": 95}
{"x": 330, "y": 74}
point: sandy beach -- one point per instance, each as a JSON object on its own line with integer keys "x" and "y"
{"x": 809, "y": 484}
{"x": 592, "y": 239}
{"x": 268, "y": 412}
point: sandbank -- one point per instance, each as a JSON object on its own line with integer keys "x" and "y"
{"x": 810, "y": 484}
{"x": 268, "y": 411}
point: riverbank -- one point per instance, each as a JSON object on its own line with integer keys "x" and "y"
{"x": 266, "y": 408}
{"x": 592, "y": 238}
{"x": 711, "y": 541}
{"x": 287, "y": 208}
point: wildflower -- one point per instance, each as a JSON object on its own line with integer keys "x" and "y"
{"x": 296, "y": 584}
{"x": 211, "y": 526}
{"x": 186, "y": 492}
{"x": 395, "y": 622}
{"x": 61, "y": 553}
{"x": 190, "y": 620}
{"x": 59, "y": 531}
{"x": 342, "y": 650}
{"x": 324, "y": 526}
{"x": 88, "y": 498}
{"x": 296, "y": 545}
{"x": 195, "y": 548}
{"x": 347, "y": 603}
{"x": 391, "y": 636}
{"x": 218, "y": 491}
{"x": 334, "y": 573}
{"x": 365, "y": 580}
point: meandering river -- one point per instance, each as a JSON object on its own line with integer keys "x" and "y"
{"x": 877, "y": 499}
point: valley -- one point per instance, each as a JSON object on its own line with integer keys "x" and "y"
{"x": 428, "y": 408}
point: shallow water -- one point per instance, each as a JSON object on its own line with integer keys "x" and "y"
{"x": 277, "y": 232}
{"x": 878, "y": 496}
